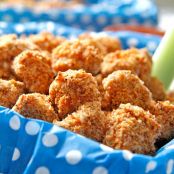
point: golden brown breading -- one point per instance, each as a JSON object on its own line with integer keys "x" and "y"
{"x": 10, "y": 90}
{"x": 133, "y": 129}
{"x": 33, "y": 69}
{"x": 46, "y": 41}
{"x": 106, "y": 44}
{"x": 35, "y": 105}
{"x": 87, "y": 121}
{"x": 77, "y": 54}
{"x": 71, "y": 89}
{"x": 124, "y": 87}
{"x": 164, "y": 113}
{"x": 11, "y": 46}
{"x": 135, "y": 60}
{"x": 157, "y": 88}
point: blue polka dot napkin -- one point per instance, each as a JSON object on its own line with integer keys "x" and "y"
{"x": 29, "y": 146}
{"x": 93, "y": 15}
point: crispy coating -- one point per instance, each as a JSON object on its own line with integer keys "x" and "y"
{"x": 35, "y": 105}
{"x": 71, "y": 89}
{"x": 10, "y": 90}
{"x": 135, "y": 60}
{"x": 87, "y": 121}
{"x": 105, "y": 43}
{"x": 33, "y": 69}
{"x": 164, "y": 113}
{"x": 46, "y": 41}
{"x": 157, "y": 89}
{"x": 124, "y": 87}
{"x": 11, "y": 46}
{"x": 133, "y": 129}
{"x": 77, "y": 54}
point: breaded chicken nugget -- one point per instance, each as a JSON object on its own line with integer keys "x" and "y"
{"x": 35, "y": 105}
{"x": 87, "y": 121}
{"x": 135, "y": 60}
{"x": 11, "y": 46}
{"x": 71, "y": 89}
{"x": 164, "y": 114}
{"x": 77, "y": 54}
{"x": 33, "y": 69}
{"x": 124, "y": 87}
{"x": 133, "y": 129}
{"x": 106, "y": 43}
{"x": 157, "y": 88}
{"x": 10, "y": 91}
{"x": 46, "y": 41}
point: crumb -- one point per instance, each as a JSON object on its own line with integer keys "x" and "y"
{"x": 124, "y": 87}
{"x": 78, "y": 54}
{"x": 106, "y": 44}
{"x": 135, "y": 60}
{"x": 132, "y": 129}
{"x": 71, "y": 89}
{"x": 87, "y": 121}
{"x": 33, "y": 69}
{"x": 46, "y": 41}
{"x": 10, "y": 90}
{"x": 37, "y": 106}
{"x": 164, "y": 113}
{"x": 157, "y": 89}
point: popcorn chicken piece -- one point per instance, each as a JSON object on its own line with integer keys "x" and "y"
{"x": 71, "y": 89}
{"x": 10, "y": 90}
{"x": 105, "y": 43}
{"x": 34, "y": 70}
{"x": 77, "y": 54}
{"x": 124, "y": 87}
{"x": 164, "y": 114}
{"x": 133, "y": 129}
{"x": 87, "y": 121}
{"x": 37, "y": 106}
{"x": 157, "y": 89}
{"x": 46, "y": 41}
{"x": 135, "y": 60}
{"x": 11, "y": 46}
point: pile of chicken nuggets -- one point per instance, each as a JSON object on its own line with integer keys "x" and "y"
{"x": 88, "y": 85}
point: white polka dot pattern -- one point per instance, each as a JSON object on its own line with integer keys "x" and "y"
{"x": 73, "y": 157}
{"x": 16, "y": 154}
{"x": 49, "y": 140}
{"x": 151, "y": 165}
{"x": 100, "y": 170}
{"x": 42, "y": 170}
{"x": 127, "y": 155}
{"x": 15, "y": 123}
{"x": 132, "y": 42}
{"x": 32, "y": 128}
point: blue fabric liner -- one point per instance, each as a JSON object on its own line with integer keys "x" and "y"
{"x": 93, "y": 15}
{"x": 128, "y": 39}
{"x": 30, "y": 146}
